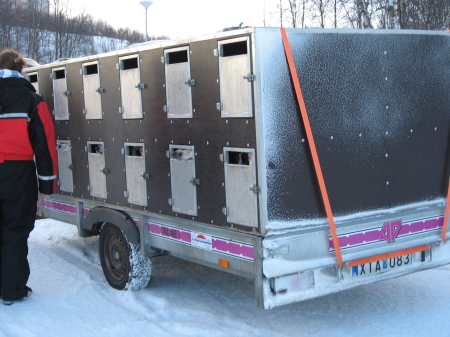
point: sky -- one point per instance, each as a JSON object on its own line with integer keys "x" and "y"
{"x": 71, "y": 298}
{"x": 180, "y": 18}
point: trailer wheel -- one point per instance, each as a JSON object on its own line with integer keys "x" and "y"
{"x": 124, "y": 267}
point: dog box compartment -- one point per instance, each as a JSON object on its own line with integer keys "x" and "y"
{"x": 92, "y": 91}
{"x": 97, "y": 170}
{"x": 33, "y": 78}
{"x": 178, "y": 83}
{"x": 60, "y": 94}
{"x": 135, "y": 174}
{"x": 183, "y": 180}
{"x": 130, "y": 87}
{"x": 240, "y": 186}
{"x": 235, "y": 78}
{"x": 65, "y": 166}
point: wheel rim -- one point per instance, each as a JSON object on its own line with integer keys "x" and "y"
{"x": 116, "y": 257}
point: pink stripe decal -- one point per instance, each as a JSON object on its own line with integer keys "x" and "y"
{"x": 379, "y": 235}
{"x": 233, "y": 248}
{"x": 218, "y": 245}
{"x": 59, "y": 206}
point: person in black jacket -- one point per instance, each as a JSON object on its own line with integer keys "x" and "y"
{"x": 27, "y": 146}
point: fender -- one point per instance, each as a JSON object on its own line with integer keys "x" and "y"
{"x": 122, "y": 220}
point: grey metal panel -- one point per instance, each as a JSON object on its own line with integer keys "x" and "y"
{"x": 130, "y": 94}
{"x": 92, "y": 97}
{"x": 240, "y": 187}
{"x": 97, "y": 178}
{"x": 235, "y": 89}
{"x": 178, "y": 91}
{"x": 65, "y": 173}
{"x": 135, "y": 173}
{"x": 182, "y": 173}
{"x": 33, "y": 77}
{"x": 61, "y": 103}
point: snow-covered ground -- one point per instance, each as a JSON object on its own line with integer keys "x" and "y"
{"x": 72, "y": 298}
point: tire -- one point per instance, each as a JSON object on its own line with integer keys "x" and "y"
{"x": 124, "y": 267}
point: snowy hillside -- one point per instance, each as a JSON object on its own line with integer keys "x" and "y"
{"x": 72, "y": 298}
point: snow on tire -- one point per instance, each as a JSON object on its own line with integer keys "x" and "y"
{"x": 124, "y": 267}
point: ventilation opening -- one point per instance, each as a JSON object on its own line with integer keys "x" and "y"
{"x": 134, "y": 151}
{"x": 182, "y": 154}
{"x": 177, "y": 57}
{"x": 95, "y": 148}
{"x": 59, "y": 74}
{"x": 233, "y": 49}
{"x": 91, "y": 69}
{"x": 130, "y": 63}
{"x": 33, "y": 78}
{"x": 239, "y": 158}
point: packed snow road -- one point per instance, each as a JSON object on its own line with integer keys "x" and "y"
{"x": 72, "y": 298}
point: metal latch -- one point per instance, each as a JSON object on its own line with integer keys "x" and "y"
{"x": 225, "y": 211}
{"x": 145, "y": 175}
{"x": 170, "y": 201}
{"x": 219, "y": 106}
{"x": 255, "y": 189}
{"x": 100, "y": 90}
{"x": 66, "y": 93}
{"x": 190, "y": 82}
{"x": 165, "y": 108}
{"x": 140, "y": 86}
{"x": 250, "y": 77}
{"x": 71, "y": 167}
{"x": 121, "y": 110}
{"x": 125, "y": 194}
{"x": 105, "y": 171}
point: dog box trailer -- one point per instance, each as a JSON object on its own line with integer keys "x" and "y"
{"x": 310, "y": 160}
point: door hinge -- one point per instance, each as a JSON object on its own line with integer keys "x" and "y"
{"x": 225, "y": 211}
{"x": 190, "y": 82}
{"x": 126, "y": 194}
{"x": 100, "y": 90}
{"x": 195, "y": 181}
{"x": 219, "y": 106}
{"x": 141, "y": 86}
{"x": 170, "y": 201}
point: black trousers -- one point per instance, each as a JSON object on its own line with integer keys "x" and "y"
{"x": 18, "y": 197}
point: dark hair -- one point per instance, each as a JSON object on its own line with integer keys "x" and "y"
{"x": 12, "y": 60}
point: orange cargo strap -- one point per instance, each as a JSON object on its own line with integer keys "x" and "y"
{"x": 447, "y": 209}
{"x": 312, "y": 145}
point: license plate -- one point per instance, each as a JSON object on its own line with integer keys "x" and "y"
{"x": 382, "y": 266}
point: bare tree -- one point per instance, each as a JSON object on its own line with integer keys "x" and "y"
{"x": 319, "y": 11}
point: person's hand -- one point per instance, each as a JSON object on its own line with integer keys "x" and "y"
{"x": 45, "y": 196}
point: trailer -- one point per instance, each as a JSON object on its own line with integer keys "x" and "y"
{"x": 310, "y": 160}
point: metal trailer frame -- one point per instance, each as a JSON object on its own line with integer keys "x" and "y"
{"x": 287, "y": 250}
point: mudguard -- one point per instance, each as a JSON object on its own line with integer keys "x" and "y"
{"x": 118, "y": 218}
